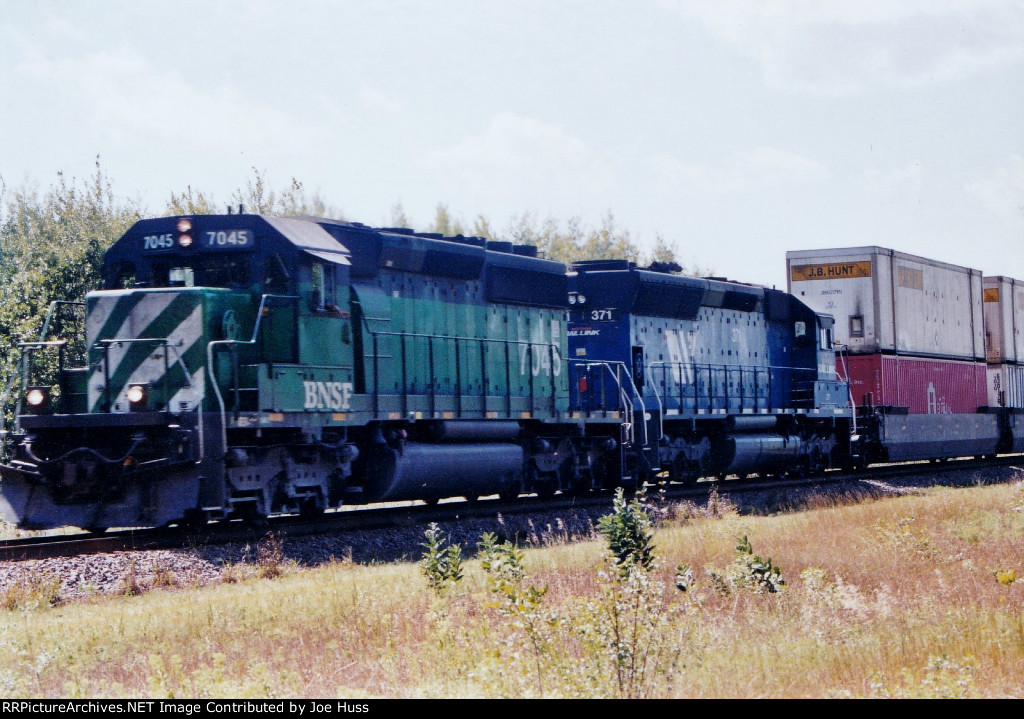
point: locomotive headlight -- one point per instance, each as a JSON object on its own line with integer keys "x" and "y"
{"x": 36, "y": 397}
{"x": 184, "y": 224}
{"x": 136, "y": 396}
{"x": 581, "y": 299}
{"x": 185, "y": 240}
{"x": 572, "y": 299}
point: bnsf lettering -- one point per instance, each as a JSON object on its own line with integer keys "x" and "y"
{"x": 158, "y": 242}
{"x": 327, "y": 395}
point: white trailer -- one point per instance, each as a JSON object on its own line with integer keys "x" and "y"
{"x": 886, "y": 301}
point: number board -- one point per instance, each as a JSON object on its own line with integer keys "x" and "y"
{"x": 209, "y": 240}
{"x": 228, "y": 240}
{"x": 599, "y": 315}
{"x": 164, "y": 241}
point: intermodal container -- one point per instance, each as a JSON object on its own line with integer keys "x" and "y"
{"x": 923, "y": 385}
{"x": 888, "y": 301}
{"x": 1004, "y": 317}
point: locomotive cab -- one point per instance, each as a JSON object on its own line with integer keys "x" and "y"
{"x": 197, "y": 317}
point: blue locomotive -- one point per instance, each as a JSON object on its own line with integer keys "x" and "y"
{"x": 721, "y": 377}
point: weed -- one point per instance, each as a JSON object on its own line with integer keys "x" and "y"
{"x": 270, "y": 559}
{"x": 130, "y": 586}
{"x": 900, "y": 536}
{"x": 747, "y": 571}
{"x": 629, "y": 625}
{"x": 629, "y": 534}
{"x": 1005, "y": 577}
{"x": 35, "y": 590}
{"x": 503, "y": 566}
{"x": 441, "y": 566}
{"x": 164, "y": 576}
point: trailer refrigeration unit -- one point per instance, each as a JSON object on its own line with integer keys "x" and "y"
{"x": 911, "y": 340}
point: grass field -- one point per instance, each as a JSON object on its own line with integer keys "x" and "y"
{"x": 911, "y": 596}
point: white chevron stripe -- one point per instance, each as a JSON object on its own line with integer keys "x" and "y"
{"x": 151, "y": 370}
{"x": 187, "y": 399}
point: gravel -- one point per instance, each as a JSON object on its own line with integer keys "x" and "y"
{"x": 132, "y": 572}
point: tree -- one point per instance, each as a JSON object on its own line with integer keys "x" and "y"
{"x": 51, "y": 248}
{"x": 257, "y": 197}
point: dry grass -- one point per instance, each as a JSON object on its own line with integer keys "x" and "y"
{"x": 916, "y": 596}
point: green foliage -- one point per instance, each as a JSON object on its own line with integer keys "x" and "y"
{"x": 566, "y": 242}
{"x": 629, "y": 626}
{"x": 629, "y": 534}
{"x": 628, "y": 633}
{"x": 503, "y": 567}
{"x": 761, "y": 575}
{"x": 35, "y": 590}
{"x": 748, "y": 571}
{"x": 51, "y": 248}
{"x": 440, "y": 565}
{"x": 257, "y": 197}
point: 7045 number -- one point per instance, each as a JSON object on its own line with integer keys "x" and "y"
{"x": 229, "y": 238}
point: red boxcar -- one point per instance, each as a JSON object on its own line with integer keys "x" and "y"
{"x": 923, "y": 385}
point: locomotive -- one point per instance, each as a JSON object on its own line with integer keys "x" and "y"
{"x": 240, "y": 365}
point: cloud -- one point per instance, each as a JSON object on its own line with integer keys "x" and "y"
{"x": 1001, "y": 190}
{"x": 118, "y": 94}
{"x": 844, "y": 47}
{"x": 377, "y": 101}
{"x": 509, "y": 153}
{"x": 757, "y": 169}
{"x": 887, "y": 181}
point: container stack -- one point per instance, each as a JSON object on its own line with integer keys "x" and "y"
{"x": 911, "y": 329}
{"x": 1004, "y": 341}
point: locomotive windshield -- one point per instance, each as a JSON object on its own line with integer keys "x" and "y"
{"x": 202, "y": 271}
{"x": 213, "y": 270}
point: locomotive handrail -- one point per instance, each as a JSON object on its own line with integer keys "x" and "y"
{"x": 5, "y": 396}
{"x": 623, "y": 396}
{"x": 213, "y": 373}
{"x": 843, "y": 349}
{"x": 799, "y": 380}
{"x": 23, "y": 371}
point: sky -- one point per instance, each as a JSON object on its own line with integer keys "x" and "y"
{"x": 735, "y": 129}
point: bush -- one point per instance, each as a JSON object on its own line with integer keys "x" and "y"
{"x": 441, "y": 566}
{"x": 629, "y": 534}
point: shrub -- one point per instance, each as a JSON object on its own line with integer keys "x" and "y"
{"x": 629, "y": 534}
{"x": 441, "y": 566}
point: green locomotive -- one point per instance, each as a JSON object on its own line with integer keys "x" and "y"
{"x": 240, "y": 365}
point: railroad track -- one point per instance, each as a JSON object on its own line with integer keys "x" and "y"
{"x": 371, "y": 517}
